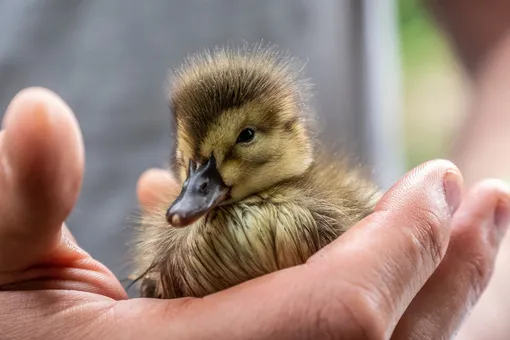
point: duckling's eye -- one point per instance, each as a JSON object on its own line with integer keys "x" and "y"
{"x": 246, "y": 136}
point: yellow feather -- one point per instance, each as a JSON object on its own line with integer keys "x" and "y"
{"x": 288, "y": 199}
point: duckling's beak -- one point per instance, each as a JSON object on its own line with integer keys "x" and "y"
{"x": 202, "y": 191}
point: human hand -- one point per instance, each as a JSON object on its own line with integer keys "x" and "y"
{"x": 476, "y": 28}
{"x": 479, "y": 31}
{"x": 387, "y": 277}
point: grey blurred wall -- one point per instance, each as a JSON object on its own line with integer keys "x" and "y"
{"x": 109, "y": 60}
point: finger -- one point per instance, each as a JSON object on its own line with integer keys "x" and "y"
{"x": 41, "y": 171}
{"x": 156, "y": 186}
{"x": 454, "y": 288}
{"x": 67, "y": 234}
{"x": 357, "y": 287}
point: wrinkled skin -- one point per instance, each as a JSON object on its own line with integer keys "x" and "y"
{"x": 414, "y": 270}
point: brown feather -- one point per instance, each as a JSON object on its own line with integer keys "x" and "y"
{"x": 288, "y": 200}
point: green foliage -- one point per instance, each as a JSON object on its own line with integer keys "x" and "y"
{"x": 420, "y": 40}
{"x": 423, "y": 51}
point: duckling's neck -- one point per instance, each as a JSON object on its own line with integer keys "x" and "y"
{"x": 276, "y": 191}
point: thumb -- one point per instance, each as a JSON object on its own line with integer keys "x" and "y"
{"x": 41, "y": 170}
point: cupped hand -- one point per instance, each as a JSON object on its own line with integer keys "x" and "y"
{"x": 408, "y": 271}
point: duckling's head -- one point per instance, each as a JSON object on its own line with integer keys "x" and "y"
{"x": 241, "y": 126}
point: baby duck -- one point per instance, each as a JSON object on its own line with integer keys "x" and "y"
{"x": 257, "y": 193}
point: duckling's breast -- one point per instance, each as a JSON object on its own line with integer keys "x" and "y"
{"x": 236, "y": 243}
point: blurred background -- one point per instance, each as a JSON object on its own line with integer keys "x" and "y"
{"x": 388, "y": 90}
{"x": 434, "y": 88}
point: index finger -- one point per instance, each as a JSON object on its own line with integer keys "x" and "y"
{"x": 156, "y": 186}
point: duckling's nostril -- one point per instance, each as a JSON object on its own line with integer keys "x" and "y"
{"x": 203, "y": 187}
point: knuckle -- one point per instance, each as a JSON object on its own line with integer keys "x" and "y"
{"x": 479, "y": 271}
{"x": 355, "y": 313}
{"x": 477, "y": 256}
{"x": 473, "y": 247}
{"x": 427, "y": 233}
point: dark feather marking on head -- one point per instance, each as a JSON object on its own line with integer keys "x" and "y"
{"x": 211, "y": 83}
{"x": 289, "y": 125}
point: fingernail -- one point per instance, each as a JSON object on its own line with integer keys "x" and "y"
{"x": 452, "y": 183}
{"x": 502, "y": 215}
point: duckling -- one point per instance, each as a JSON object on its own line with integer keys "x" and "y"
{"x": 258, "y": 194}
